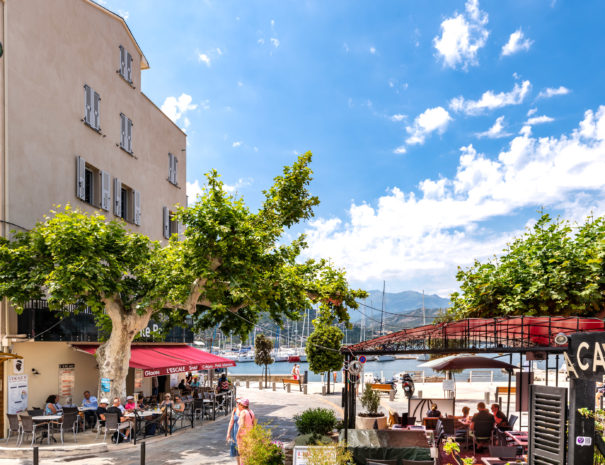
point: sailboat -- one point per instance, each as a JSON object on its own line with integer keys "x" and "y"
{"x": 423, "y": 357}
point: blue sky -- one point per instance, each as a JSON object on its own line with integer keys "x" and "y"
{"x": 438, "y": 128}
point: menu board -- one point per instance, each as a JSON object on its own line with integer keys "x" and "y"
{"x": 67, "y": 380}
{"x": 138, "y": 380}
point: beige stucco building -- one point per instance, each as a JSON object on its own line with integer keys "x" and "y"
{"x": 76, "y": 128}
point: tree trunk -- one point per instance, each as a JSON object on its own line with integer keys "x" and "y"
{"x": 113, "y": 356}
{"x": 266, "y": 370}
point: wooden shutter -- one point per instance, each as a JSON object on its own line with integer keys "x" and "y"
{"x": 123, "y": 130}
{"x": 128, "y": 67}
{"x": 80, "y": 178}
{"x": 122, "y": 61}
{"x": 137, "y": 208}
{"x": 117, "y": 197}
{"x": 175, "y": 160}
{"x": 547, "y": 425}
{"x": 170, "y": 165}
{"x": 129, "y": 135}
{"x": 166, "y": 217}
{"x": 105, "y": 191}
{"x": 87, "y": 104}
{"x": 95, "y": 122}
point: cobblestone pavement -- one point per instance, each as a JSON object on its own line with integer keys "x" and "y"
{"x": 205, "y": 444}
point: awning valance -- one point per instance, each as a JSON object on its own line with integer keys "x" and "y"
{"x": 164, "y": 359}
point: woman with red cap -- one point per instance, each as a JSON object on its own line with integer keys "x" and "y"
{"x": 246, "y": 421}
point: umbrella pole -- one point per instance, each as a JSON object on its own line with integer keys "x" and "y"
{"x": 510, "y": 374}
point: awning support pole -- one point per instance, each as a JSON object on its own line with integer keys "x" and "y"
{"x": 510, "y": 374}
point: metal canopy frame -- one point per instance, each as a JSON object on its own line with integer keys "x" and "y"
{"x": 479, "y": 335}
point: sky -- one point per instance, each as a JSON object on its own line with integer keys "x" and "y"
{"x": 439, "y": 129}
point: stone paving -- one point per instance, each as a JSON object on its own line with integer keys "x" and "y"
{"x": 205, "y": 444}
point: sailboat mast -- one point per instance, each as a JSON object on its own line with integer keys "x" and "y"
{"x": 382, "y": 311}
{"x": 423, "y": 312}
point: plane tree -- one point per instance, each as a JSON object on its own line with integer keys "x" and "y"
{"x": 230, "y": 266}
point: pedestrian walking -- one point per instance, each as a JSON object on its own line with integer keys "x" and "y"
{"x": 295, "y": 372}
{"x": 232, "y": 431}
{"x": 245, "y": 423}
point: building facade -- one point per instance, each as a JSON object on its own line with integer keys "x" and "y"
{"x": 76, "y": 128}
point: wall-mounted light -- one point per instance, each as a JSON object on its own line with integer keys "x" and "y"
{"x": 35, "y": 372}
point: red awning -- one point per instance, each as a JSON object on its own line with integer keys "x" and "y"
{"x": 157, "y": 360}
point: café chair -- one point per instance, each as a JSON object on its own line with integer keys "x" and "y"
{"x": 483, "y": 433}
{"x": 29, "y": 427}
{"x": 13, "y": 426}
{"x": 503, "y": 452}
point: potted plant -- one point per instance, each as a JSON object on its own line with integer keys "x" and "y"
{"x": 370, "y": 400}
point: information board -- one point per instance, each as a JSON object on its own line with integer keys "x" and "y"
{"x": 67, "y": 380}
{"x": 17, "y": 393}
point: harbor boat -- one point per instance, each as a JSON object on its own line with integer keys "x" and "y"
{"x": 386, "y": 358}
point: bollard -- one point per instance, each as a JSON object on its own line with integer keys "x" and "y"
{"x": 247, "y": 384}
{"x": 391, "y": 395}
{"x": 142, "y": 452}
{"x": 304, "y": 388}
{"x": 274, "y": 385}
{"x": 288, "y": 386}
{"x": 420, "y": 394}
{"x": 323, "y": 390}
{"x": 487, "y": 397}
{"x": 36, "y": 455}
{"x": 260, "y": 385}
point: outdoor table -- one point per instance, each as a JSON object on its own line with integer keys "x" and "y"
{"x": 519, "y": 437}
{"x": 498, "y": 461}
{"x": 49, "y": 418}
{"x": 140, "y": 417}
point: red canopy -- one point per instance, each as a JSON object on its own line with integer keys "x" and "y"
{"x": 156, "y": 360}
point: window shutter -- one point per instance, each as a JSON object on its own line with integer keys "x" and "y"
{"x": 123, "y": 130}
{"x": 105, "y": 191}
{"x": 117, "y": 196}
{"x": 128, "y": 67}
{"x": 87, "y": 104}
{"x": 80, "y": 178}
{"x": 170, "y": 167}
{"x": 175, "y": 160}
{"x": 96, "y": 100}
{"x": 122, "y": 61}
{"x": 166, "y": 217}
{"x": 137, "y": 208}
{"x": 129, "y": 135}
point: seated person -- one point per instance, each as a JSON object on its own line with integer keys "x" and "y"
{"x": 51, "y": 405}
{"x": 131, "y": 405}
{"x": 182, "y": 385}
{"x": 433, "y": 412}
{"x": 195, "y": 383}
{"x": 223, "y": 384}
{"x": 482, "y": 416}
{"x": 178, "y": 405}
{"x": 141, "y": 402}
{"x": 119, "y": 410}
{"x": 166, "y": 402}
{"x": 90, "y": 402}
{"x": 499, "y": 417}
{"x": 102, "y": 410}
{"x": 464, "y": 420}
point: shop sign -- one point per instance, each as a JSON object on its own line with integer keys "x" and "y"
{"x": 185, "y": 368}
{"x": 105, "y": 385}
{"x": 152, "y": 328}
{"x": 67, "y": 380}
{"x": 586, "y": 355}
{"x": 17, "y": 393}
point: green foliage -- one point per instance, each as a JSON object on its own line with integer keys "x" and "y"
{"x": 257, "y": 449}
{"x": 312, "y": 439}
{"x": 451, "y": 446}
{"x": 323, "y": 348}
{"x": 330, "y": 455}
{"x": 553, "y": 269}
{"x": 370, "y": 400}
{"x": 262, "y": 350}
{"x": 315, "y": 421}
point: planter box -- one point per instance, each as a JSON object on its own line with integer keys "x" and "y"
{"x": 368, "y": 422}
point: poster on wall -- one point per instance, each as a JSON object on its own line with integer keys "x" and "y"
{"x": 105, "y": 383}
{"x": 174, "y": 380}
{"x": 138, "y": 380}
{"x": 18, "y": 366}
{"x": 67, "y": 380}
{"x": 17, "y": 393}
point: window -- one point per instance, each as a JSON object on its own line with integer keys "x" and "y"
{"x": 172, "y": 171}
{"x": 91, "y": 108}
{"x": 127, "y": 203}
{"x": 92, "y": 184}
{"x": 126, "y": 133}
{"x": 171, "y": 226}
{"x": 125, "y": 64}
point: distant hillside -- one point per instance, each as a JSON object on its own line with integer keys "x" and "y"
{"x": 400, "y": 303}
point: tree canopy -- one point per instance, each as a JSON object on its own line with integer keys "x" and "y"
{"x": 555, "y": 268}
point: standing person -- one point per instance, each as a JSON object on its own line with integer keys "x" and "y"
{"x": 297, "y": 366}
{"x": 335, "y": 375}
{"x": 245, "y": 422}
{"x": 295, "y": 372}
{"x": 232, "y": 431}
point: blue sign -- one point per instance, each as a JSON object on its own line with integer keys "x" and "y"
{"x": 105, "y": 384}
{"x": 362, "y": 359}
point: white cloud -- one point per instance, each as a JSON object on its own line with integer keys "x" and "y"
{"x": 175, "y": 107}
{"x": 241, "y": 182}
{"x": 373, "y": 50}
{"x": 205, "y": 104}
{"x": 204, "y": 58}
{"x": 425, "y": 235}
{"x": 432, "y": 119}
{"x": 240, "y": 84}
{"x": 261, "y": 41}
{"x": 490, "y": 101}
{"x": 400, "y": 150}
{"x": 496, "y": 131}
{"x": 516, "y": 43}
{"x": 398, "y": 117}
{"x": 552, "y": 92}
{"x": 193, "y": 191}
{"x": 531, "y": 111}
{"x": 274, "y": 42}
{"x": 237, "y": 143}
{"x": 539, "y": 120}
{"x": 462, "y": 36}
{"x": 124, "y": 14}
{"x": 219, "y": 51}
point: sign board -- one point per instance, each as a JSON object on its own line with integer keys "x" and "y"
{"x": 362, "y": 359}
{"x": 67, "y": 380}
{"x": 449, "y": 385}
{"x": 586, "y": 357}
{"x": 138, "y": 380}
{"x": 105, "y": 384}
{"x": 174, "y": 380}
{"x": 301, "y": 453}
{"x": 17, "y": 393}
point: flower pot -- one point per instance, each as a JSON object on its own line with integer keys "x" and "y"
{"x": 366, "y": 422}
